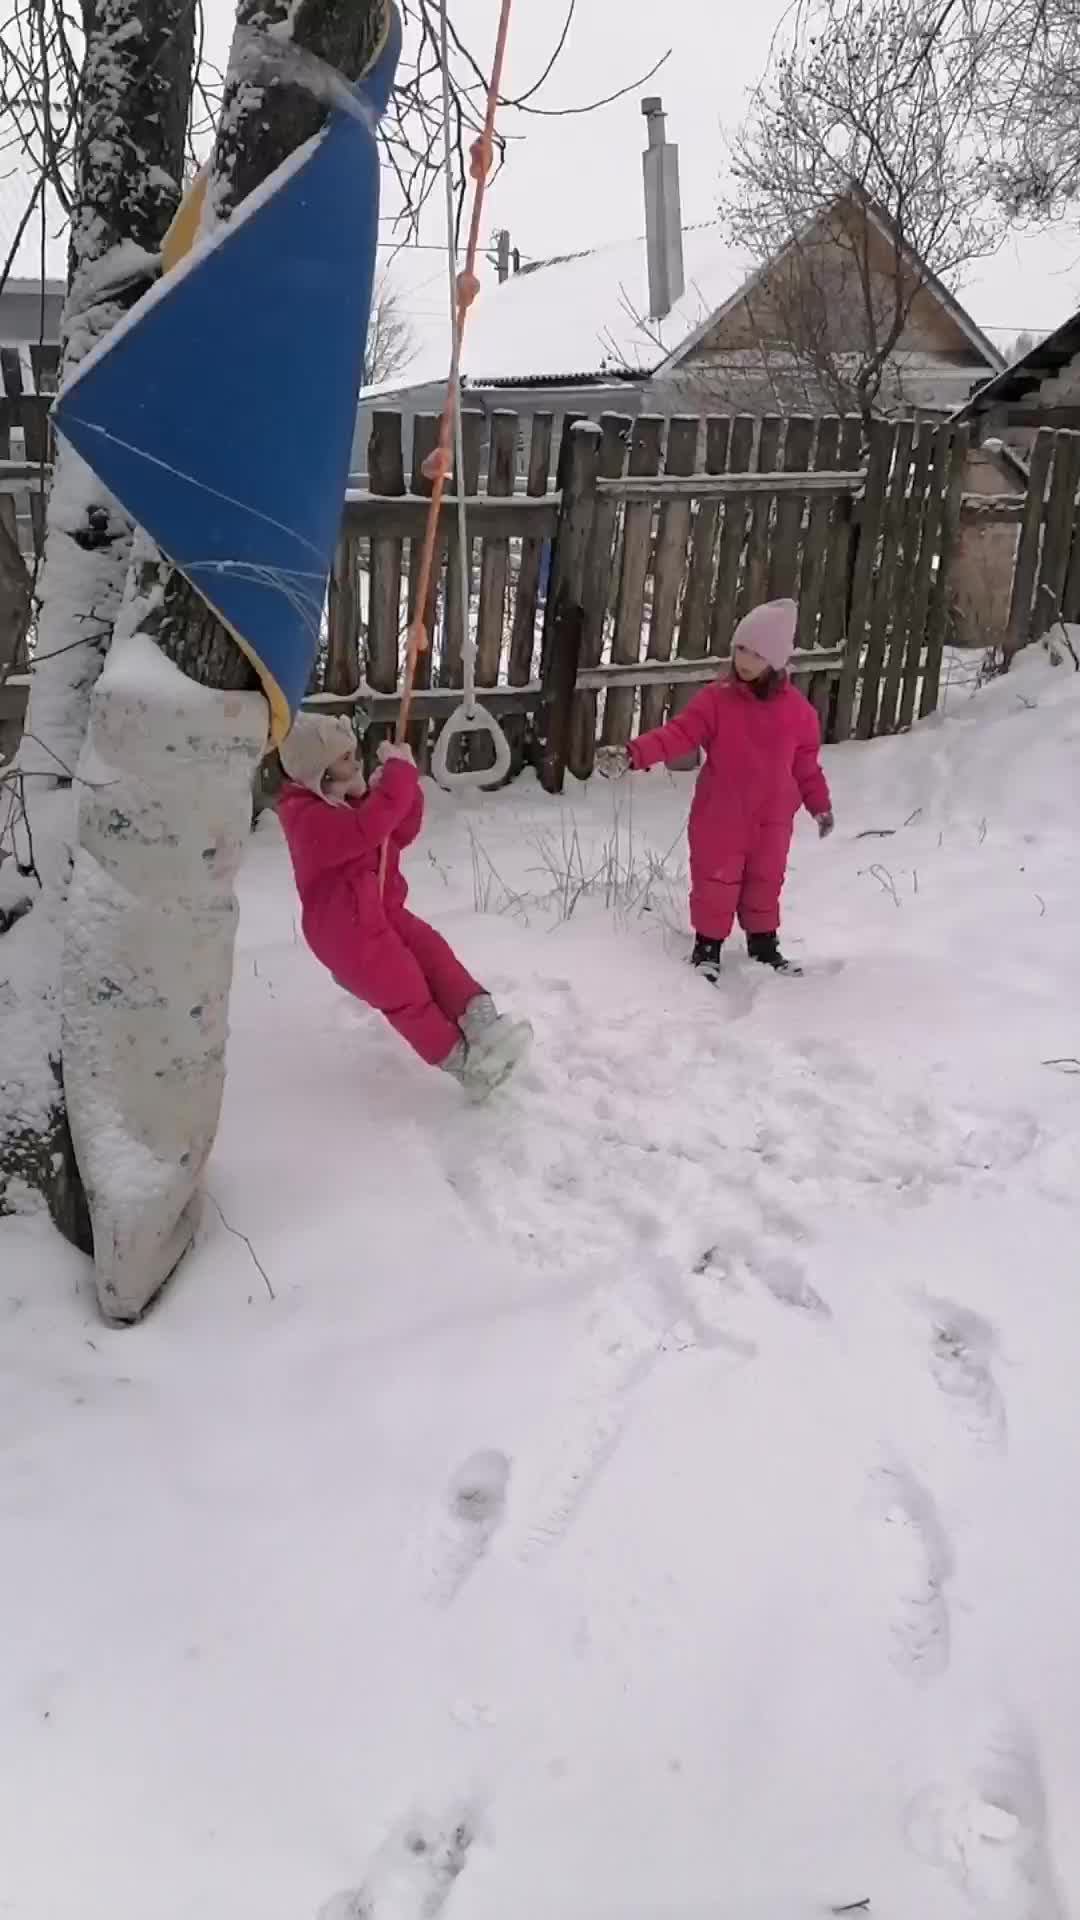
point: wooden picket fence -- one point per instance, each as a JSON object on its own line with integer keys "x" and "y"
{"x": 677, "y": 528}
{"x": 608, "y": 565}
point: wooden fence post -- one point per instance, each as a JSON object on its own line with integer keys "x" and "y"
{"x": 939, "y": 604}
{"x": 566, "y": 592}
{"x": 882, "y": 435}
{"x": 560, "y": 679}
{"x": 386, "y": 475}
{"x": 1017, "y": 633}
{"x": 1057, "y": 534}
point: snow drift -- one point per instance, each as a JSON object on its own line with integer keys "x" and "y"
{"x": 647, "y": 1496}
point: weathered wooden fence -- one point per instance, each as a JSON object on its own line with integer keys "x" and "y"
{"x": 605, "y": 575}
{"x": 683, "y": 525}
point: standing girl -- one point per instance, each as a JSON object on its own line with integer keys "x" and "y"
{"x": 761, "y": 741}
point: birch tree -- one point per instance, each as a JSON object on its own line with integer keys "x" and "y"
{"x": 132, "y": 113}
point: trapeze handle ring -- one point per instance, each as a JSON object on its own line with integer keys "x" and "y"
{"x": 461, "y": 721}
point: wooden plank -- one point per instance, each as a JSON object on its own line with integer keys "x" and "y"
{"x": 11, "y": 374}
{"x": 669, "y": 562}
{"x": 906, "y": 566}
{"x": 732, "y": 540}
{"x": 7, "y": 421}
{"x": 438, "y": 702}
{"x": 425, "y": 440}
{"x": 786, "y": 551}
{"x": 515, "y": 518}
{"x": 812, "y": 577}
{"x": 755, "y": 577}
{"x": 1057, "y": 533}
{"x": 693, "y": 640}
{"x": 939, "y": 603}
{"x": 1071, "y": 597}
{"x": 523, "y": 633}
{"x": 883, "y": 607}
{"x": 578, "y": 462}
{"x": 527, "y": 592}
{"x": 763, "y": 480}
{"x": 343, "y": 619}
{"x": 837, "y": 583}
{"x": 459, "y": 591}
{"x": 495, "y": 557}
{"x": 615, "y": 431}
{"x": 45, "y": 362}
{"x": 1018, "y": 631}
{"x": 882, "y": 434}
{"x": 386, "y": 475}
{"x": 923, "y": 576}
{"x": 637, "y": 550}
{"x": 560, "y": 678}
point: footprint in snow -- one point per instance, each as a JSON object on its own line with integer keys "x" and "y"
{"x": 916, "y": 1563}
{"x": 471, "y": 1512}
{"x": 413, "y": 1873}
{"x": 989, "y": 1833}
{"x": 962, "y": 1349}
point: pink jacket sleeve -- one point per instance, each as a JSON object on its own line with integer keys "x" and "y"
{"x": 682, "y": 736}
{"x": 812, "y": 784}
{"x": 408, "y": 828}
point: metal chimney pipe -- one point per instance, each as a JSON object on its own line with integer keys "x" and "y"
{"x": 663, "y": 213}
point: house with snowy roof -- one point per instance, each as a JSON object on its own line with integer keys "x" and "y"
{"x": 680, "y": 320}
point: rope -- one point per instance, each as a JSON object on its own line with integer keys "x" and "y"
{"x": 464, "y": 288}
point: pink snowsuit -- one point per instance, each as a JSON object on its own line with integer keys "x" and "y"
{"x": 761, "y": 761}
{"x": 367, "y": 939}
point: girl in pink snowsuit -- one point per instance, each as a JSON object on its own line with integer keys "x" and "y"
{"x": 355, "y": 920}
{"x": 761, "y": 742}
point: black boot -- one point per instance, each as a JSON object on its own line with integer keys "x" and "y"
{"x": 706, "y": 956}
{"x": 765, "y": 948}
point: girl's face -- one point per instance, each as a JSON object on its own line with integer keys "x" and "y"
{"x": 343, "y": 769}
{"x": 749, "y": 666}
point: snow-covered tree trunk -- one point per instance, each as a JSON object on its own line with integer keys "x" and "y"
{"x": 134, "y": 96}
{"x": 177, "y": 729}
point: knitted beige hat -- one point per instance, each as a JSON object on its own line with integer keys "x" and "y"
{"x": 312, "y": 744}
{"x": 769, "y": 631}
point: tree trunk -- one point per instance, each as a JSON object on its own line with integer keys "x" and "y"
{"x": 177, "y": 729}
{"x": 135, "y": 91}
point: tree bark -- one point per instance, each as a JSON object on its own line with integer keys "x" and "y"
{"x": 135, "y": 92}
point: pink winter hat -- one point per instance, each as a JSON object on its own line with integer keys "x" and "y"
{"x": 769, "y": 631}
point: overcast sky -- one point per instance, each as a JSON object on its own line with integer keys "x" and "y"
{"x": 571, "y": 183}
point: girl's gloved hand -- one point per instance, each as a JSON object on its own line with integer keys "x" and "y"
{"x": 612, "y": 762}
{"x": 390, "y": 750}
{"x": 825, "y": 825}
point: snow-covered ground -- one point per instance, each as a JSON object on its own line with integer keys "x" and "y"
{"x": 653, "y": 1495}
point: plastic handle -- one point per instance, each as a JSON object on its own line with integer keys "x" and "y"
{"x": 471, "y": 723}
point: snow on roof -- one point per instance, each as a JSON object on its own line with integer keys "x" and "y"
{"x": 584, "y": 316}
{"x": 16, "y": 190}
{"x": 588, "y": 314}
